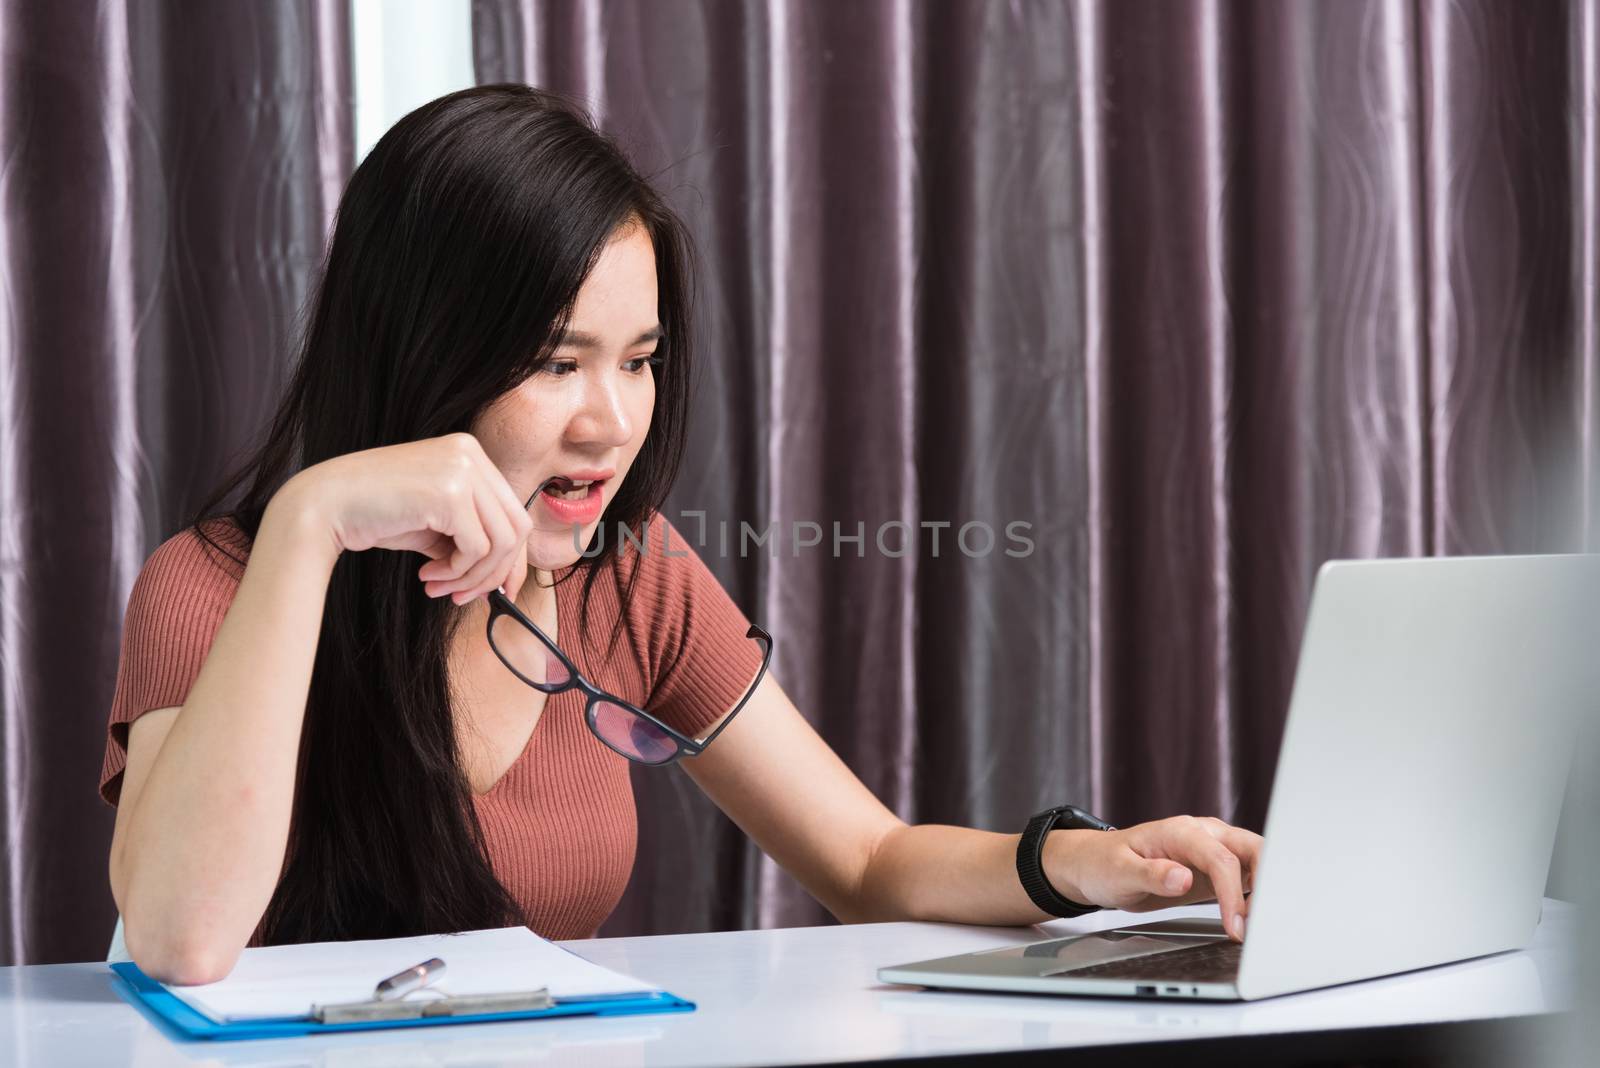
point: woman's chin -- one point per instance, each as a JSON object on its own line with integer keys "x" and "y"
{"x": 554, "y": 551}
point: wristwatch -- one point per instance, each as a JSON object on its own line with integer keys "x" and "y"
{"x": 1030, "y": 868}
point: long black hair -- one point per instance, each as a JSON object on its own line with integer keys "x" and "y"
{"x": 460, "y": 245}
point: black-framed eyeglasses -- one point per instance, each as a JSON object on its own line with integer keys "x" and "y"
{"x": 624, "y": 728}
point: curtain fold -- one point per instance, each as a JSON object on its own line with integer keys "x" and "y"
{"x": 1207, "y": 294}
{"x": 169, "y": 173}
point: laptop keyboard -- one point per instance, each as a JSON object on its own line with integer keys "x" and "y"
{"x": 1212, "y": 961}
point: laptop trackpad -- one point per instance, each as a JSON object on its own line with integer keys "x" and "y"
{"x": 1065, "y": 954}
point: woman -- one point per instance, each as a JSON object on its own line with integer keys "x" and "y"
{"x": 313, "y": 739}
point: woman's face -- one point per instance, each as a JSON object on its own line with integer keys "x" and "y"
{"x": 585, "y": 415}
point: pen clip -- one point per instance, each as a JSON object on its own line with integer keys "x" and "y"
{"x": 404, "y": 982}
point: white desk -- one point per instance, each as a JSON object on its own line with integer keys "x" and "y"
{"x": 803, "y": 995}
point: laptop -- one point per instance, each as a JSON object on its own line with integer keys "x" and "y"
{"x": 1413, "y": 815}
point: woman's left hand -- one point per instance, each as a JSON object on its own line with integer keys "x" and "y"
{"x": 1176, "y": 861}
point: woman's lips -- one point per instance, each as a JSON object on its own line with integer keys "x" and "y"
{"x": 581, "y": 512}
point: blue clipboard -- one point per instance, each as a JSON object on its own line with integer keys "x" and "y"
{"x": 189, "y": 1024}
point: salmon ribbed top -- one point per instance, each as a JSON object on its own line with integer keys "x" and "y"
{"x": 560, "y": 824}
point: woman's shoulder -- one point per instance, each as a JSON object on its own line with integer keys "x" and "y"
{"x": 659, "y": 538}
{"x": 206, "y": 559}
{"x": 662, "y": 563}
{"x": 174, "y": 610}
{"x": 697, "y": 655}
{"x": 182, "y": 594}
{"x": 672, "y": 591}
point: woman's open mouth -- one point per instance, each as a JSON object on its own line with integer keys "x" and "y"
{"x": 570, "y": 500}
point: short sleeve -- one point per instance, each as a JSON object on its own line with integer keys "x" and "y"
{"x": 700, "y": 659}
{"x": 177, "y": 603}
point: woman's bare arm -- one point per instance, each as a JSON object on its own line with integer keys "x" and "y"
{"x": 208, "y": 790}
{"x": 203, "y": 818}
{"x": 779, "y": 781}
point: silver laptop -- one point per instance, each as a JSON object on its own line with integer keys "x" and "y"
{"x": 1414, "y": 808}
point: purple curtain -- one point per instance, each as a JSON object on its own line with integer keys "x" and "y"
{"x": 168, "y": 174}
{"x": 1206, "y": 293}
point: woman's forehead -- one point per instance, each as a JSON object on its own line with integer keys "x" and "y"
{"x": 617, "y": 304}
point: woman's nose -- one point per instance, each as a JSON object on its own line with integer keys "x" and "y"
{"x": 602, "y": 418}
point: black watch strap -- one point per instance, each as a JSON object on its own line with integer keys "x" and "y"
{"x": 1030, "y": 854}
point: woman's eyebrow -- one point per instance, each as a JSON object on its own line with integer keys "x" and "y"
{"x": 577, "y": 339}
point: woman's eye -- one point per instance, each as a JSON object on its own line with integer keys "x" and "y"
{"x": 637, "y": 365}
{"x": 560, "y": 370}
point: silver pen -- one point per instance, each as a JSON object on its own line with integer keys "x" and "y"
{"x": 413, "y": 978}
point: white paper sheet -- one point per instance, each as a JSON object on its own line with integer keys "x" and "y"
{"x": 285, "y": 981}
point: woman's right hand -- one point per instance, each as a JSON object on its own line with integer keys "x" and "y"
{"x": 441, "y": 497}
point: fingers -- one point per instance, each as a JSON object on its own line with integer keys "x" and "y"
{"x": 512, "y": 568}
{"x": 1194, "y": 842}
{"x": 489, "y": 533}
{"x": 515, "y": 507}
{"x": 522, "y": 524}
{"x": 1164, "y": 878}
{"x": 519, "y": 573}
{"x": 1201, "y": 846}
{"x": 1222, "y": 868}
{"x": 435, "y": 548}
{"x": 1246, "y": 845}
{"x": 515, "y": 570}
{"x": 470, "y": 544}
{"x": 489, "y": 569}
